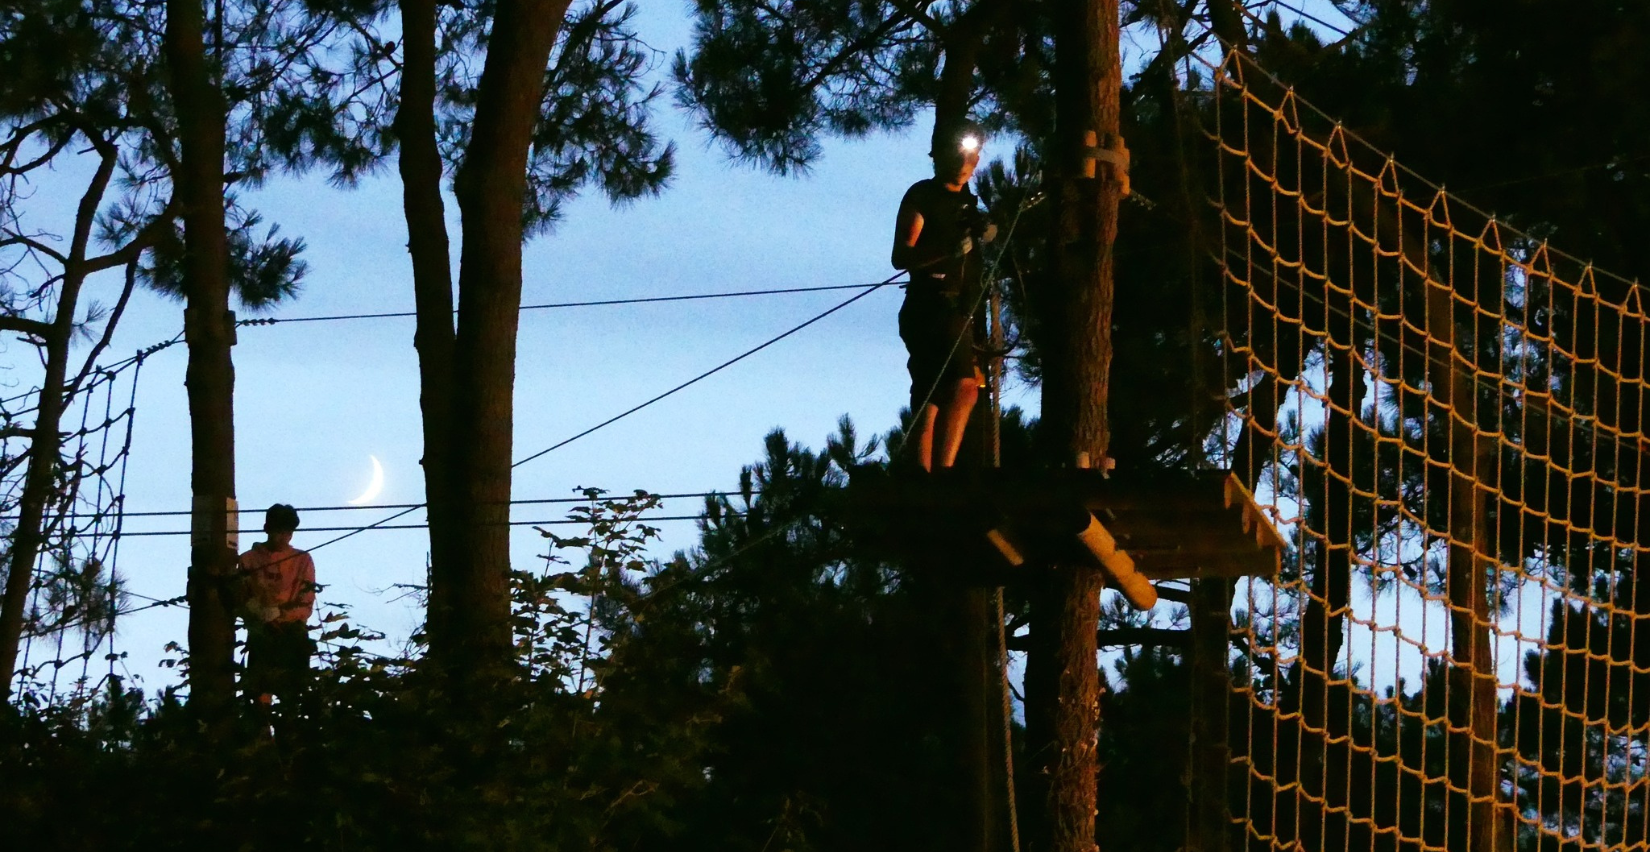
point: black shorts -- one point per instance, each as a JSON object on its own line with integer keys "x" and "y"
{"x": 277, "y": 658}
{"x": 934, "y": 325}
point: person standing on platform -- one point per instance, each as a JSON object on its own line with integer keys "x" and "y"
{"x": 936, "y": 238}
{"x": 279, "y": 582}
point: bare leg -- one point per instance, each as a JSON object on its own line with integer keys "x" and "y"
{"x": 923, "y": 431}
{"x": 953, "y": 419}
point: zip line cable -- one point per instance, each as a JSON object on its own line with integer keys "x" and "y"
{"x": 701, "y": 574}
{"x": 376, "y": 506}
{"x": 408, "y": 508}
{"x": 425, "y": 526}
{"x": 641, "y": 300}
{"x": 866, "y": 290}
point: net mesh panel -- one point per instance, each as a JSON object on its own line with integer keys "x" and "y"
{"x": 76, "y": 594}
{"x": 1446, "y": 418}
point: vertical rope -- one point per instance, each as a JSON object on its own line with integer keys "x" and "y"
{"x": 1008, "y": 727}
{"x": 998, "y": 340}
{"x": 119, "y": 503}
{"x": 91, "y": 638}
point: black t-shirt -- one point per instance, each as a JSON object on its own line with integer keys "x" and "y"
{"x": 945, "y": 216}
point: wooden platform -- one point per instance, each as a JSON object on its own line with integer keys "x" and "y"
{"x": 1168, "y": 526}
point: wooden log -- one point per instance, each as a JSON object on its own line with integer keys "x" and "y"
{"x": 1117, "y": 566}
{"x": 1010, "y": 553}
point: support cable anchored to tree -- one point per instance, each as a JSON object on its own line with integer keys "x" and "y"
{"x": 866, "y": 290}
{"x": 382, "y": 506}
{"x": 593, "y": 303}
{"x": 381, "y": 526}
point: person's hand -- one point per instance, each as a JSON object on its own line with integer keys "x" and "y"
{"x": 989, "y": 233}
{"x": 270, "y": 613}
{"x": 966, "y": 246}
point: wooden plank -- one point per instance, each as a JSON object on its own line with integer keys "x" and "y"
{"x": 1170, "y": 526}
{"x": 1266, "y": 534}
{"x": 1140, "y": 529}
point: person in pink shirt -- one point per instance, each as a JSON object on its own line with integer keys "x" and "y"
{"x": 279, "y": 582}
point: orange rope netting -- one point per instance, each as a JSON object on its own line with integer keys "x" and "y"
{"x": 1447, "y": 417}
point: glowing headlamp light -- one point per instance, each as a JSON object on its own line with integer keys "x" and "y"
{"x": 968, "y": 144}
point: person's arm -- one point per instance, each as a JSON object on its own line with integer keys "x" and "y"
{"x": 907, "y": 229}
{"x": 237, "y": 584}
{"x": 303, "y": 603}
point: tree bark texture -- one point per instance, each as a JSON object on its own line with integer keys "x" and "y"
{"x": 427, "y": 243}
{"x": 45, "y": 450}
{"x": 1210, "y": 824}
{"x": 1062, "y": 713}
{"x": 209, "y": 332}
{"x": 1076, "y": 384}
{"x": 472, "y": 593}
{"x": 964, "y": 804}
{"x": 1062, "y": 679}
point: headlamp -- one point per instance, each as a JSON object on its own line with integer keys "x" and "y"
{"x": 968, "y": 144}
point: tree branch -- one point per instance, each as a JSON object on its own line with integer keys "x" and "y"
{"x": 832, "y": 65}
{"x": 12, "y": 146}
{"x": 30, "y": 242}
{"x": 918, "y": 12}
{"x": 86, "y": 211}
{"x": 578, "y": 41}
{"x": 108, "y": 327}
{"x": 24, "y": 325}
{"x": 144, "y": 240}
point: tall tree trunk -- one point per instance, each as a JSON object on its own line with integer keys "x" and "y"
{"x": 1062, "y": 713}
{"x": 954, "y": 618}
{"x": 1210, "y": 612}
{"x": 209, "y": 332}
{"x": 427, "y": 243}
{"x": 474, "y": 630}
{"x": 1472, "y": 701}
{"x": 46, "y": 446}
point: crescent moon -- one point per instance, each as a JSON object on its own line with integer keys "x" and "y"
{"x": 373, "y": 487}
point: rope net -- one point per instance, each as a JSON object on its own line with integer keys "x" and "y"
{"x": 1446, "y": 417}
{"x": 75, "y": 594}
